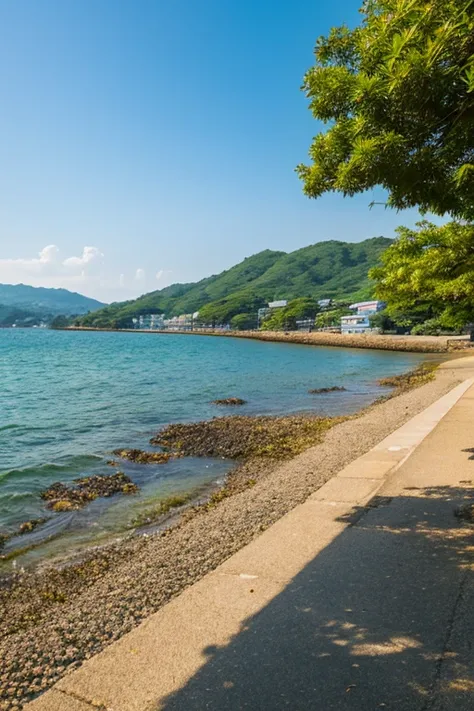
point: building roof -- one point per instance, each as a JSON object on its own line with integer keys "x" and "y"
{"x": 360, "y": 304}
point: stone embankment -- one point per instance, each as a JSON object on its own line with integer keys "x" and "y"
{"x": 411, "y": 344}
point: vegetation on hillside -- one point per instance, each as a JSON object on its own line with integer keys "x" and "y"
{"x": 184, "y": 298}
{"x": 27, "y": 306}
{"x": 323, "y": 270}
{"x": 14, "y": 315}
{"x": 40, "y": 300}
{"x": 286, "y": 318}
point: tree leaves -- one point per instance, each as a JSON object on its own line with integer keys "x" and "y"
{"x": 430, "y": 268}
{"x": 398, "y": 95}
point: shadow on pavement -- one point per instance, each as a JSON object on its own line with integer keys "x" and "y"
{"x": 380, "y": 619}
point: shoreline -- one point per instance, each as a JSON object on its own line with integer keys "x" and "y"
{"x": 274, "y": 437}
{"x": 407, "y": 344}
{"x": 59, "y": 617}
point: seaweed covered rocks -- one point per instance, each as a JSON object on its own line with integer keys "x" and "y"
{"x": 60, "y": 497}
{"x": 229, "y": 401}
{"x": 241, "y": 437}
{"x": 139, "y": 456}
{"x": 26, "y": 527}
{"x": 29, "y": 526}
{"x": 332, "y": 389}
{"x": 413, "y": 379}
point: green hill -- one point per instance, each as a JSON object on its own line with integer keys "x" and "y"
{"x": 40, "y": 300}
{"x": 330, "y": 269}
{"x": 24, "y": 305}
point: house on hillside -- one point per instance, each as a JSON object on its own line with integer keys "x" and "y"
{"x": 267, "y": 310}
{"x": 324, "y": 304}
{"x": 359, "y": 322}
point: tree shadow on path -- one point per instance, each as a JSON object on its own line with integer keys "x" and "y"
{"x": 380, "y": 619}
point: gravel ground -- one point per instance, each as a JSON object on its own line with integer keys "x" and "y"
{"x": 55, "y": 618}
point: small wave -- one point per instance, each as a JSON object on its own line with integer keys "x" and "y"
{"x": 74, "y": 465}
{"x": 9, "y": 427}
{"x": 14, "y": 496}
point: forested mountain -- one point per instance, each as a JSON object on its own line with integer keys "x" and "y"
{"x": 38, "y": 298}
{"x": 324, "y": 270}
{"x": 29, "y": 305}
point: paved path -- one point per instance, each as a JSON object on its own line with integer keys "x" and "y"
{"x": 360, "y": 599}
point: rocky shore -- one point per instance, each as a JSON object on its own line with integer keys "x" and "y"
{"x": 55, "y": 618}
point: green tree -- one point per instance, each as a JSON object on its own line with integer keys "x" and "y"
{"x": 61, "y": 321}
{"x": 382, "y": 321}
{"x": 398, "y": 94}
{"x": 224, "y": 310}
{"x": 286, "y": 317}
{"x": 332, "y": 317}
{"x": 244, "y": 322}
{"x": 430, "y": 271}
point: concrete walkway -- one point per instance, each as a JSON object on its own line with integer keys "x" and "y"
{"x": 360, "y": 599}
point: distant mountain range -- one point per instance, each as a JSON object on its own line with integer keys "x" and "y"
{"x": 331, "y": 269}
{"x": 29, "y": 305}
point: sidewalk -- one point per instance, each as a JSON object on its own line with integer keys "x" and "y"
{"x": 360, "y": 599}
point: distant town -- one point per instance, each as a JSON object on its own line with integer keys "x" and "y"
{"x": 356, "y": 322}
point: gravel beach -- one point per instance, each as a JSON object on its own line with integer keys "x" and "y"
{"x": 53, "y": 619}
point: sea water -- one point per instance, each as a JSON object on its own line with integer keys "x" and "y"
{"x": 68, "y": 399}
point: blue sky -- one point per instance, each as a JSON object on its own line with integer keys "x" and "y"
{"x": 144, "y": 142}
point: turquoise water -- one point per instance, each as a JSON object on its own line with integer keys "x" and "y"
{"x": 69, "y": 398}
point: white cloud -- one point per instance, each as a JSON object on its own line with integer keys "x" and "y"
{"x": 47, "y": 255}
{"x": 48, "y": 269}
{"x": 48, "y": 262}
{"x": 89, "y": 254}
{"x": 162, "y": 273}
{"x": 89, "y": 273}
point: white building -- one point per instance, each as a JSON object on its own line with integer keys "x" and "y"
{"x": 150, "y": 322}
{"x": 266, "y": 310}
{"x": 184, "y": 322}
{"x": 277, "y": 304}
{"x": 324, "y": 304}
{"x": 360, "y": 321}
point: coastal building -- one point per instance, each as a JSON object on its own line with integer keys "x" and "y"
{"x": 149, "y": 322}
{"x": 265, "y": 311}
{"x": 306, "y": 324}
{"x": 324, "y": 304}
{"x": 184, "y": 322}
{"x": 359, "y": 322}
